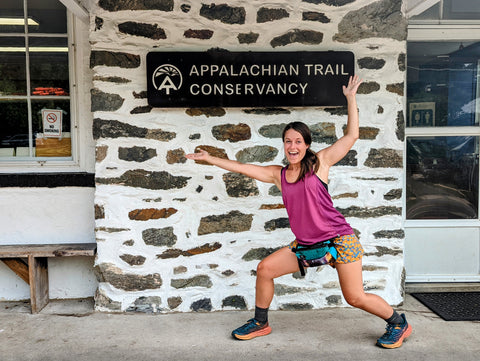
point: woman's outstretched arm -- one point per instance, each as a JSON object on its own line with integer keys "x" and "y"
{"x": 267, "y": 174}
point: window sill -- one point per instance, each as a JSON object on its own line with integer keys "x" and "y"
{"x": 48, "y": 180}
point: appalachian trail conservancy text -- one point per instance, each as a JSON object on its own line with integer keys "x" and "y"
{"x": 286, "y": 86}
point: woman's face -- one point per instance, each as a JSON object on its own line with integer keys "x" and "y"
{"x": 294, "y": 145}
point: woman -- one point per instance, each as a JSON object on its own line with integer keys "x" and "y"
{"x": 313, "y": 219}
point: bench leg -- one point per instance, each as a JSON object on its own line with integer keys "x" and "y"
{"x": 38, "y": 274}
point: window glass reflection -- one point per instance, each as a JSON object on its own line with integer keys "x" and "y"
{"x": 12, "y": 66}
{"x": 49, "y": 66}
{"x": 14, "y": 136}
{"x": 442, "y": 177}
{"x": 49, "y": 15}
{"x": 442, "y": 84}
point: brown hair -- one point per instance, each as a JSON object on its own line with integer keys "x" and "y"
{"x": 310, "y": 162}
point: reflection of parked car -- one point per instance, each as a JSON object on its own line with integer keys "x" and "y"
{"x": 18, "y": 140}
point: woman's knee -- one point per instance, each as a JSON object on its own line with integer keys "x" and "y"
{"x": 356, "y": 300}
{"x": 265, "y": 269}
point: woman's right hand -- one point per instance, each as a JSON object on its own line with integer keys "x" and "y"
{"x": 201, "y": 155}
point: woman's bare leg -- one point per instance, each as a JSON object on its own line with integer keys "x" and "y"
{"x": 277, "y": 264}
{"x": 351, "y": 282}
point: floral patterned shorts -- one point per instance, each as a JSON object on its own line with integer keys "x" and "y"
{"x": 348, "y": 248}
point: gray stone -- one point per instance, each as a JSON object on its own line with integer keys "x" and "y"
{"x": 146, "y": 305}
{"x": 265, "y": 14}
{"x": 371, "y": 63}
{"x": 128, "y": 282}
{"x": 233, "y": 133}
{"x": 103, "y": 128}
{"x": 385, "y": 251}
{"x": 174, "y": 302}
{"x": 393, "y": 194}
{"x": 174, "y": 253}
{"x": 176, "y": 156}
{"x": 341, "y": 111}
{"x": 282, "y": 290}
{"x": 368, "y": 87}
{"x": 186, "y": 8}
{"x": 233, "y": 221}
{"x": 396, "y": 88}
{"x": 258, "y": 253}
{"x": 248, "y": 38}
{"x": 141, "y": 110}
{"x": 136, "y": 154}
{"x": 395, "y": 233}
{"x": 151, "y": 31}
{"x": 102, "y": 300}
{"x": 99, "y": 212}
{"x": 159, "y": 237}
{"x": 401, "y": 62}
{"x": 102, "y": 101}
{"x": 384, "y": 158}
{"x": 323, "y": 133}
{"x": 367, "y": 212}
{"x": 237, "y": 302}
{"x": 140, "y": 178}
{"x": 238, "y": 185}
{"x": 114, "y": 5}
{"x": 109, "y": 58}
{"x": 274, "y": 191}
{"x": 295, "y": 306}
{"x": 204, "y": 304}
{"x": 208, "y": 112}
{"x": 98, "y": 23}
{"x": 179, "y": 270}
{"x": 194, "y": 136}
{"x": 274, "y": 224}
{"x": 133, "y": 260}
{"x": 315, "y": 16}
{"x": 400, "y": 131}
{"x": 308, "y": 37}
{"x": 204, "y": 34}
{"x": 350, "y": 159}
{"x": 196, "y": 281}
{"x": 334, "y": 300}
{"x": 272, "y": 130}
{"x": 381, "y": 19}
{"x": 112, "y": 79}
{"x": 259, "y": 153}
{"x": 330, "y": 2}
{"x": 267, "y": 111}
{"x": 226, "y": 14}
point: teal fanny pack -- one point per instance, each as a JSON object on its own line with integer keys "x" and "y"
{"x": 314, "y": 255}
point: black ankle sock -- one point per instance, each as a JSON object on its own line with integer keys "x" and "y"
{"x": 395, "y": 318}
{"x": 261, "y": 314}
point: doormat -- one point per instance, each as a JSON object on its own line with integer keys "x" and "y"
{"x": 452, "y": 306}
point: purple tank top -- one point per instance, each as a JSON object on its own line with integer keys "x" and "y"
{"x": 313, "y": 218}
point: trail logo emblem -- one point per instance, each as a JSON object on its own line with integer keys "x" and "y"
{"x": 167, "y": 77}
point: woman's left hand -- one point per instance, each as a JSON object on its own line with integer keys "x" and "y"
{"x": 352, "y": 87}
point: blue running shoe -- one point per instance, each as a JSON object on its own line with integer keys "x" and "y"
{"x": 395, "y": 334}
{"x": 251, "y": 329}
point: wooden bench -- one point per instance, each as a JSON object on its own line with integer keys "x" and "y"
{"x": 35, "y": 270}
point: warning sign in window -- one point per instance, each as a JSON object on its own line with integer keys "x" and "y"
{"x": 52, "y": 123}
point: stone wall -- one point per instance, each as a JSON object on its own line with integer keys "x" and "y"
{"x": 178, "y": 236}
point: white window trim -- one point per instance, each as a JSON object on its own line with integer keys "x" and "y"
{"x": 83, "y": 146}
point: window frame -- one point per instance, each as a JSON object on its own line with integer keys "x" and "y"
{"x": 430, "y": 31}
{"x": 78, "y": 50}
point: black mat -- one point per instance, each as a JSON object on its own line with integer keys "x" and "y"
{"x": 452, "y": 306}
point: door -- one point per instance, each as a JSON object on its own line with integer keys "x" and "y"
{"x": 442, "y": 137}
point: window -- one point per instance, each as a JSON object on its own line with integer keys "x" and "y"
{"x": 35, "y": 102}
{"x": 443, "y": 110}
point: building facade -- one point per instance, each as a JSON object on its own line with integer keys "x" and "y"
{"x": 173, "y": 235}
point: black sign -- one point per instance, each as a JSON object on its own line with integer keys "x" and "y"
{"x": 247, "y": 79}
